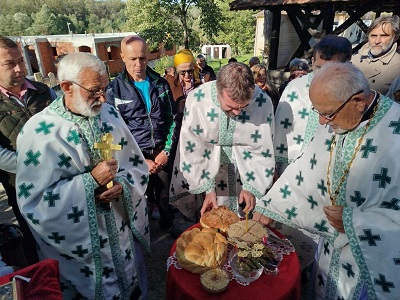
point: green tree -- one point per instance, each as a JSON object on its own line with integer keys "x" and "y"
{"x": 239, "y": 29}
{"x": 47, "y": 23}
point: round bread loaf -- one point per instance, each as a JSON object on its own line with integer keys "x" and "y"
{"x": 220, "y": 218}
{"x": 200, "y": 250}
{"x": 255, "y": 231}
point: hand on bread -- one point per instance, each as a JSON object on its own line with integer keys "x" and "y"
{"x": 210, "y": 202}
{"x": 249, "y": 199}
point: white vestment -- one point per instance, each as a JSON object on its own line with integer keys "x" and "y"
{"x": 95, "y": 243}
{"x": 367, "y": 256}
{"x": 210, "y": 139}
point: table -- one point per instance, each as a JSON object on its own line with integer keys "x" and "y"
{"x": 182, "y": 284}
{"x": 44, "y": 283}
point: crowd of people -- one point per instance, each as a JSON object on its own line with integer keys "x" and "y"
{"x": 315, "y": 157}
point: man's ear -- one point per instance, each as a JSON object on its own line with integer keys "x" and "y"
{"x": 66, "y": 86}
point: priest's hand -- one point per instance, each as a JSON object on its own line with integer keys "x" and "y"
{"x": 108, "y": 195}
{"x": 334, "y": 214}
{"x": 248, "y": 198}
{"x": 210, "y": 202}
{"x": 105, "y": 171}
{"x": 262, "y": 219}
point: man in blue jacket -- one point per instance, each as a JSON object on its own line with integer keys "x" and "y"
{"x": 145, "y": 102}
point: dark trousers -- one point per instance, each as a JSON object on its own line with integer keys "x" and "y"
{"x": 29, "y": 243}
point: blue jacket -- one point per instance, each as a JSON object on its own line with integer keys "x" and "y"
{"x": 154, "y": 129}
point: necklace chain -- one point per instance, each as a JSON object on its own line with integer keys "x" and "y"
{"x": 344, "y": 175}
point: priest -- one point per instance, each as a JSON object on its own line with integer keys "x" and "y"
{"x": 85, "y": 210}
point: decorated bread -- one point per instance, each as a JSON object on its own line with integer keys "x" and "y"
{"x": 220, "y": 218}
{"x": 255, "y": 231}
{"x": 199, "y": 250}
{"x": 214, "y": 281}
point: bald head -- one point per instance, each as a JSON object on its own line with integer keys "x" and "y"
{"x": 134, "y": 55}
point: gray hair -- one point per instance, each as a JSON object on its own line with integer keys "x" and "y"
{"x": 71, "y": 65}
{"x": 298, "y": 64}
{"x": 393, "y": 21}
{"x": 341, "y": 80}
{"x": 237, "y": 80}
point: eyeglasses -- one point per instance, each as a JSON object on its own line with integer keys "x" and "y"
{"x": 92, "y": 94}
{"x": 183, "y": 72}
{"x": 332, "y": 115}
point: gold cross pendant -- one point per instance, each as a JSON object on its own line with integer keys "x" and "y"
{"x": 106, "y": 147}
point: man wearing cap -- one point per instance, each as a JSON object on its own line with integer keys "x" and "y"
{"x": 144, "y": 100}
{"x": 206, "y": 72}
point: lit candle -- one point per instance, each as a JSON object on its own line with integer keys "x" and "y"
{"x": 247, "y": 218}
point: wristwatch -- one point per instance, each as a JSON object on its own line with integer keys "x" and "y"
{"x": 166, "y": 153}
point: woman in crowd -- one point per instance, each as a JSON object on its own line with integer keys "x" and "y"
{"x": 261, "y": 79}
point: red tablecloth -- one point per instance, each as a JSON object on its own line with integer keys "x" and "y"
{"x": 182, "y": 284}
{"x": 44, "y": 283}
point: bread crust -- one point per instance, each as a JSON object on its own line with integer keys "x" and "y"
{"x": 220, "y": 218}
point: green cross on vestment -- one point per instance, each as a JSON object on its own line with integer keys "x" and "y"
{"x": 199, "y": 95}
{"x": 123, "y": 225}
{"x": 383, "y": 283}
{"x": 250, "y": 176}
{"x": 357, "y": 198}
{"x": 269, "y": 172}
{"x": 291, "y": 213}
{"x": 286, "y": 123}
{"x": 382, "y": 178}
{"x": 392, "y": 204}
{"x": 269, "y": 119}
{"x": 80, "y": 251}
{"x": 145, "y": 180}
{"x": 186, "y": 167}
{"x": 397, "y": 125}
{"x": 321, "y": 186}
{"x": 212, "y": 115}
{"x": 32, "y": 158}
{"x": 45, "y": 127}
{"x": 51, "y": 198}
{"x": 222, "y": 185}
{"x": 107, "y": 271}
{"x": 266, "y": 153}
{"x": 299, "y": 178}
{"x": 243, "y": 117}
{"x": 128, "y": 253}
{"x": 367, "y": 148}
{"x": 123, "y": 143}
{"x": 190, "y": 146}
{"x": 86, "y": 271}
{"x": 321, "y": 226}
{"x": 33, "y": 220}
{"x": 185, "y": 113}
{"x": 207, "y": 154}
{"x": 129, "y": 177}
{"x": 113, "y": 112}
{"x": 255, "y": 136}
{"x": 102, "y": 241}
{"x": 198, "y": 129}
{"x": 212, "y": 142}
{"x": 311, "y": 200}
{"x": 329, "y": 143}
{"x": 64, "y": 161}
{"x": 261, "y": 99}
{"x": 281, "y": 148}
{"x": 205, "y": 174}
{"x": 136, "y": 160}
{"x": 56, "y": 237}
{"x": 75, "y": 215}
{"x": 313, "y": 162}
{"x": 267, "y": 202}
{"x": 292, "y": 96}
{"x": 24, "y": 190}
{"x": 369, "y": 237}
{"x": 74, "y": 137}
{"x": 299, "y": 139}
{"x": 349, "y": 269}
{"x": 107, "y": 128}
{"x": 285, "y": 191}
{"x": 247, "y": 155}
{"x": 303, "y": 113}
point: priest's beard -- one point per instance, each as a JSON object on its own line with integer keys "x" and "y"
{"x": 87, "y": 109}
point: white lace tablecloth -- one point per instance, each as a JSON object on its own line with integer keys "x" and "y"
{"x": 279, "y": 250}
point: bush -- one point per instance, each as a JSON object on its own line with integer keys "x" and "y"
{"x": 162, "y": 63}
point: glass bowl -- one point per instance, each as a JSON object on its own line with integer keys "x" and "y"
{"x": 254, "y": 275}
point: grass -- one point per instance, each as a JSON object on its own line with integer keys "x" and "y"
{"x": 216, "y": 64}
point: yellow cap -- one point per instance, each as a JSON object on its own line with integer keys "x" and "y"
{"x": 183, "y": 56}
